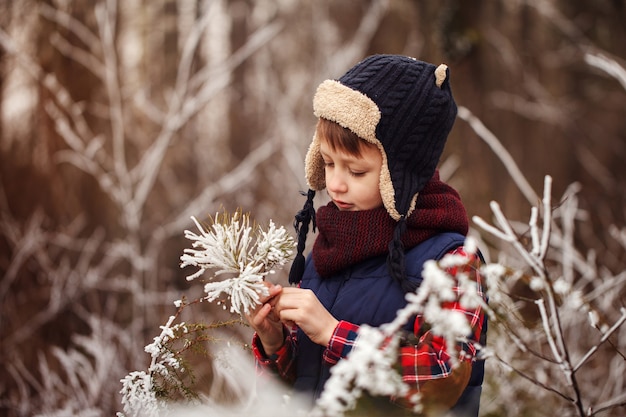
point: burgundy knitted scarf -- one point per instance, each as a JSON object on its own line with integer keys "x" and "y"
{"x": 348, "y": 237}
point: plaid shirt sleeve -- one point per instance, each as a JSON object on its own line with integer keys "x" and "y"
{"x": 429, "y": 359}
{"x": 341, "y": 342}
{"x": 281, "y": 363}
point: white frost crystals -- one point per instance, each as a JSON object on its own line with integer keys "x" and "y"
{"x": 370, "y": 367}
{"x": 231, "y": 246}
{"x": 139, "y": 397}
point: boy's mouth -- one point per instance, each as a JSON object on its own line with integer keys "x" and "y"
{"x": 341, "y": 205}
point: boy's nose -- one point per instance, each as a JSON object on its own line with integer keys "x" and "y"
{"x": 335, "y": 182}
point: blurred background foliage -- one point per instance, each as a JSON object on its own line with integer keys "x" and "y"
{"x": 121, "y": 119}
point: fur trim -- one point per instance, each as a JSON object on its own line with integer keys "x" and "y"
{"x": 350, "y": 108}
{"x": 386, "y": 187}
{"x": 314, "y": 166}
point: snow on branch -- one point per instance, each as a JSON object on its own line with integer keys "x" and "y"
{"x": 232, "y": 247}
{"x": 550, "y": 269}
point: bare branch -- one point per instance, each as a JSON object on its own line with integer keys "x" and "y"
{"x": 605, "y": 337}
{"x": 490, "y": 139}
{"x": 238, "y": 177}
{"x": 146, "y": 170}
{"x": 608, "y": 65}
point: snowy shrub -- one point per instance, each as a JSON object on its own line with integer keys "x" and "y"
{"x": 231, "y": 247}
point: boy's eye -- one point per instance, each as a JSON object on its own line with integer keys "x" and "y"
{"x": 329, "y": 164}
{"x": 357, "y": 173}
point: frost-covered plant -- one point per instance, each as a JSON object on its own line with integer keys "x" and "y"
{"x": 368, "y": 368}
{"x": 139, "y": 394}
{"x": 231, "y": 246}
{"x": 539, "y": 334}
{"x": 169, "y": 378}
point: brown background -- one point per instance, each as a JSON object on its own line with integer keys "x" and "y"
{"x": 107, "y": 147}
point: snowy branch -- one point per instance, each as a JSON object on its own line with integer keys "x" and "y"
{"x": 232, "y": 247}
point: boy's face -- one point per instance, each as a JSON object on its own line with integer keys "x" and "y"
{"x": 353, "y": 181}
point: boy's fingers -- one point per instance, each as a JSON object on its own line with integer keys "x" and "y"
{"x": 273, "y": 290}
{"x": 257, "y": 319}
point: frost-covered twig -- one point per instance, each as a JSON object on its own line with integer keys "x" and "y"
{"x": 229, "y": 247}
{"x": 605, "y": 337}
{"x": 170, "y": 380}
{"x": 232, "y": 247}
{"x": 556, "y": 297}
{"x": 139, "y": 396}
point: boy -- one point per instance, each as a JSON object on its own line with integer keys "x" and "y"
{"x": 381, "y": 131}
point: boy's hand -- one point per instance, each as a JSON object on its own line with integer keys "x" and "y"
{"x": 302, "y": 308}
{"x": 266, "y": 323}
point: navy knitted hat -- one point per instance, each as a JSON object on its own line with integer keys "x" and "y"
{"x": 403, "y": 106}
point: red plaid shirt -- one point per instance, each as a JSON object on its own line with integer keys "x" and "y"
{"x": 426, "y": 360}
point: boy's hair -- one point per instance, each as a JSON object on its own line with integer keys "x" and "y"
{"x": 340, "y": 138}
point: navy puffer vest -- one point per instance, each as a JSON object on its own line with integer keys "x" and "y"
{"x": 366, "y": 294}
